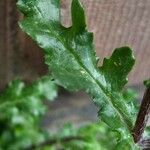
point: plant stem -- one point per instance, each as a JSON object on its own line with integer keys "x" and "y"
{"x": 54, "y": 141}
{"x": 142, "y": 117}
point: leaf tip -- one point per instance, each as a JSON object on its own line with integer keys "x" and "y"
{"x": 21, "y": 5}
{"x": 127, "y": 53}
{"x": 78, "y": 16}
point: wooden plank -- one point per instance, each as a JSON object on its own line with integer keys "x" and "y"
{"x": 19, "y": 57}
{"x": 9, "y": 42}
{"x": 3, "y": 53}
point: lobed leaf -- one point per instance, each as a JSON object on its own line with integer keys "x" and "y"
{"x": 70, "y": 55}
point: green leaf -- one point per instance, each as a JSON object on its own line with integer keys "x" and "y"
{"x": 78, "y": 14}
{"x": 117, "y": 68}
{"x": 147, "y": 83}
{"x": 21, "y": 109}
{"x": 70, "y": 55}
{"x": 47, "y": 10}
{"x": 17, "y": 92}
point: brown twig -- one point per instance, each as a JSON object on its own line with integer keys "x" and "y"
{"x": 142, "y": 117}
{"x": 54, "y": 141}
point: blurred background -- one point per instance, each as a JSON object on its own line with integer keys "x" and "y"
{"x": 115, "y": 23}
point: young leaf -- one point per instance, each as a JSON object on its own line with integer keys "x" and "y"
{"x": 147, "y": 83}
{"x": 70, "y": 54}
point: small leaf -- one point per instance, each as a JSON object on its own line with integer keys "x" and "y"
{"x": 147, "y": 83}
{"x": 117, "y": 67}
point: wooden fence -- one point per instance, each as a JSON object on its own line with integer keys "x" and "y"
{"x": 115, "y": 23}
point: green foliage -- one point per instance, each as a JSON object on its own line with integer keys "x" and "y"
{"x": 70, "y": 55}
{"x": 21, "y": 109}
{"x": 96, "y": 136}
{"x": 147, "y": 83}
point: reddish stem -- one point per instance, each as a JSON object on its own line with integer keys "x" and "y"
{"x": 142, "y": 117}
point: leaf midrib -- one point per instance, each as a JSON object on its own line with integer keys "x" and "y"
{"x": 78, "y": 60}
